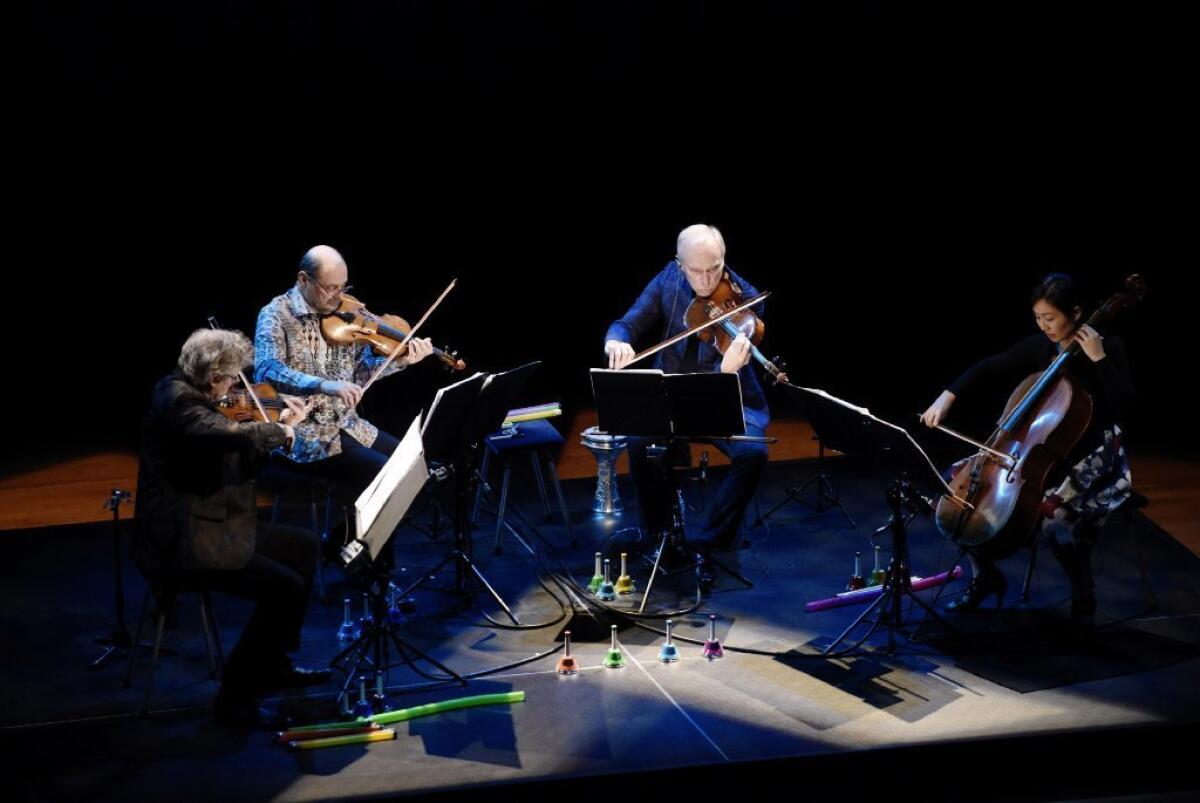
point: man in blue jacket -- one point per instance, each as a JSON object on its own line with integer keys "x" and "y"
{"x": 697, "y": 269}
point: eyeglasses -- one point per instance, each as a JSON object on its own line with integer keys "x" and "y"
{"x": 330, "y": 291}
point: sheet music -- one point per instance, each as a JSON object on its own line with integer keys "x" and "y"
{"x": 381, "y": 506}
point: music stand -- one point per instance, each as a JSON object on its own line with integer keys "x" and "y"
{"x": 827, "y": 496}
{"x": 462, "y": 415}
{"x": 120, "y": 642}
{"x": 854, "y": 430}
{"x": 668, "y": 409}
{"x": 377, "y": 512}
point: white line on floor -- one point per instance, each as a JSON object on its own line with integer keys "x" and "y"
{"x": 678, "y": 707}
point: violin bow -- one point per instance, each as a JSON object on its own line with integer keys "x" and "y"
{"x": 212, "y": 322}
{"x": 713, "y": 322}
{"x": 379, "y": 371}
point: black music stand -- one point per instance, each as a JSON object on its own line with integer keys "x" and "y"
{"x": 827, "y": 496}
{"x": 854, "y": 430}
{"x": 462, "y": 416}
{"x": 670, "y": 411}
{"x": 378, "y": 511}
{"x": 120, "y": 642}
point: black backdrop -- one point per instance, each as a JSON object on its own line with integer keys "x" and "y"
{"x": 898, "y": 178}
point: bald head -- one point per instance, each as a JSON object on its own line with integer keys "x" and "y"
{"x": 322, "y": 277}
{"x": 700, "y": 251}
{"x": 320, "y": 259}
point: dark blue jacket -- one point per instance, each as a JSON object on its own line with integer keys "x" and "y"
{"x": 661, "y": 310}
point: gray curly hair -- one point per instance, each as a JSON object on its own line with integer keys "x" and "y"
{"x": 209, "y": 352}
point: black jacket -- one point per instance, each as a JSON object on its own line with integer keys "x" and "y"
{"x": 196, "y": 498}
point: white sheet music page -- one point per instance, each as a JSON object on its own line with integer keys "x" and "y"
{"x": 383, "y": 504}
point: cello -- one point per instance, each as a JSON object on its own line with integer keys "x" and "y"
{"x": 1043, "y": 420}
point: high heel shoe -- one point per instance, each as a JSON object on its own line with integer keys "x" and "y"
{"x": 982, "y": 586}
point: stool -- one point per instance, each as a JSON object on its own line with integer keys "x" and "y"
{"x": 1125, "y": 515}
{"x": 165, "y": 601}
{"x": 540, "y": 440}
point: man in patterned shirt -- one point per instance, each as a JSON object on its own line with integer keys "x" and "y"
{"x": 293, "y": 356}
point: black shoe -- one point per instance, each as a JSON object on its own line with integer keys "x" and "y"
{"x": 982, "y": 586}
{"x": 245, "y": 713}
{"x": 296, "y": 677}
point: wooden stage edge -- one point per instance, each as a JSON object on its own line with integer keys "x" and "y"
{"x": 74, "y": 490}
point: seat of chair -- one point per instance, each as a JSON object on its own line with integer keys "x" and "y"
{"x": 529, "y": 434}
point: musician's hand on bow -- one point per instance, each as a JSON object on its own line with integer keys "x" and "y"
{"x": 737, "y": 356}
{"x": 348, "y": 392}
{"x": 619, "y": 353}
{"x": 938, "y": 411}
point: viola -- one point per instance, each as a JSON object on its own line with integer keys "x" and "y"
{"x": 353, "y": 323}
{"x": 728, "y": 296}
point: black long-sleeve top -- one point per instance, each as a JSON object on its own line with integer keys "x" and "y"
{"x": 1106, "y": 381}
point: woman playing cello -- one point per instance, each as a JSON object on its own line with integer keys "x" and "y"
{"x": 1094, "y": 478}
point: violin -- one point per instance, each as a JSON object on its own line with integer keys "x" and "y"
{"x": 728, "y": 296}
{"x": 239, "y": 405}
{"x": 353, "y": 323}
{"x": 250, "y": 402}
{"x": 1004, "y": 482}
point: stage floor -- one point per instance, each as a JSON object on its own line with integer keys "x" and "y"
{"x": 1006, "y": 677}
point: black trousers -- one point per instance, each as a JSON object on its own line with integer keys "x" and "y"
{"x": 353, "y": 469}
{"x": 278, "y": 579}
{"x": 655, "y": 488}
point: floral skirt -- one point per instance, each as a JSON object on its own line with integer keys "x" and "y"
{"x": 1094, "y": 487}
